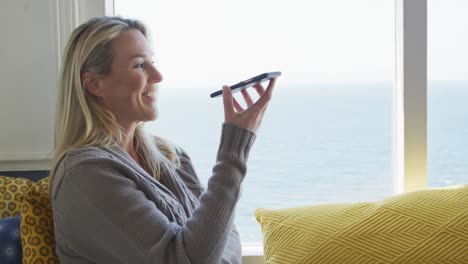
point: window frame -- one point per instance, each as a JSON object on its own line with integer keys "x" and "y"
{"x": 410, "y": 101}
{"x": 410, "y": 144}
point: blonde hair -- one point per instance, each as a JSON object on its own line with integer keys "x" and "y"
{"x": 80, "y": 120}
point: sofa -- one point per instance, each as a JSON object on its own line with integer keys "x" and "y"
{"x": 427, "y": 226}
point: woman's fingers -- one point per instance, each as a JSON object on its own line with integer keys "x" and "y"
{"x": 247, "y": 98}
{"x": 265, "y": 95}
{"x": 231, "y": 105}
{"x": 238, "y": 107}
{"x": 250, "y": 117}
{"x": 227, "y": 101}
{"x": 259, "y": 88}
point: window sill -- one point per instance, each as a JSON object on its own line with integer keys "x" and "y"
{"x": 252, "y": 253}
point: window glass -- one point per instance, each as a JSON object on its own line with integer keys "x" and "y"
{"x": 328, "y": 133}
{"x": 447, "y": 112}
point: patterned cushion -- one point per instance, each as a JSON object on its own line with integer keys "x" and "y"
{"x": 429, "y": 226}
{"x": 10, "y": 242}
{"x": 37, "y": 234}
{"x": 11, "y": 193}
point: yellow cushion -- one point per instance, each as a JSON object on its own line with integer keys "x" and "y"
{"x": 11, "y": 193}
{"x": 429, "y": 226}
{"x": 37, "y": 234}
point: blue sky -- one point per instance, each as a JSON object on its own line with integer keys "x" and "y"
{"x": 212, "y": 42}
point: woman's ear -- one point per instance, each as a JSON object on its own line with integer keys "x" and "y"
{"x": 91, "y": 83}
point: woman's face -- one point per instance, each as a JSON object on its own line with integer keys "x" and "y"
{"x": 130, "y": 90}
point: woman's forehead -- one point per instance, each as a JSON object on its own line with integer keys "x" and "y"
{"x": 131, "y": 43}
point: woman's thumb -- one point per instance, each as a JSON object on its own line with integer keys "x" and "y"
{"x": 227, "y": 100}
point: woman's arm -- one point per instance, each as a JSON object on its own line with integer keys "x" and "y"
{"x": 101, "y": 215}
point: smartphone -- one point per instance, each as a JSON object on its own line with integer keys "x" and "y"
{"x": 249, "y": 83}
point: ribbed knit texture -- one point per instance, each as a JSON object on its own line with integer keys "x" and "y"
{"x": 422, "y": 227}
{"x": 107, "y": 209}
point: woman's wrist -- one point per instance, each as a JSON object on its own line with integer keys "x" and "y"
{"x": 236, "y": 141}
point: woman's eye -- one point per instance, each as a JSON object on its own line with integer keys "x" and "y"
{"x": 140, "y": 65}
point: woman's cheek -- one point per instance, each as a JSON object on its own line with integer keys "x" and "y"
{"x": 138, "y": 82}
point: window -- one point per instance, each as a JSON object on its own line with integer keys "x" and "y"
{"x": 327, "y": 136}
{"x": 447, "y": 92}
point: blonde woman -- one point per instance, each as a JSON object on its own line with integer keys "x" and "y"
{"x": 120, "y": 195}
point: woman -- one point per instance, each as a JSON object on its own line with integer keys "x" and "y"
{"x": 120, "y": 195}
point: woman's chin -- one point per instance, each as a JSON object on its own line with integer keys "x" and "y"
{"x": 151, "y": 116}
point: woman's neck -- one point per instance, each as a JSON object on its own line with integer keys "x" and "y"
{"x": 127, "y": 141}
{"x": 128, "y": 144}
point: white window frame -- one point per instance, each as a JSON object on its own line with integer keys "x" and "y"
{"x": 410, "y": 103}
{"x": 410, "y": 100}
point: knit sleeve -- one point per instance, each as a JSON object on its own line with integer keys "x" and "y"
{"x": 102, "y": 216}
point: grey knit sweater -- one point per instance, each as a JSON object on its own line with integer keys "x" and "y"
{"x": 107, "y": 209}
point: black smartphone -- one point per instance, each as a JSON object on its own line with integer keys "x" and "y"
{"x": 249, "y": 83}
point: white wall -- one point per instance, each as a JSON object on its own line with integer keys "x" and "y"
{"x": 28, "y": 72}
{"x": 33, "y": 34}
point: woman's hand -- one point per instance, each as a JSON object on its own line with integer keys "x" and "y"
{"x": 249, "y": 118}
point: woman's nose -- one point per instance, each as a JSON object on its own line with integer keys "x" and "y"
{"x": 155, "y": 76}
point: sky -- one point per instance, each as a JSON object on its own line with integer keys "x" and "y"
{"x": 208, "y": 43}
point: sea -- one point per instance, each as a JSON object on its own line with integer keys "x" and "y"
{"x": 318, "y": 142}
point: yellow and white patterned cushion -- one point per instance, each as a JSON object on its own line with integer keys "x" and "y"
{"x": 429, "y": 226}
{"x": 37, "y": 233}
{"x": 11, "y": 195}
